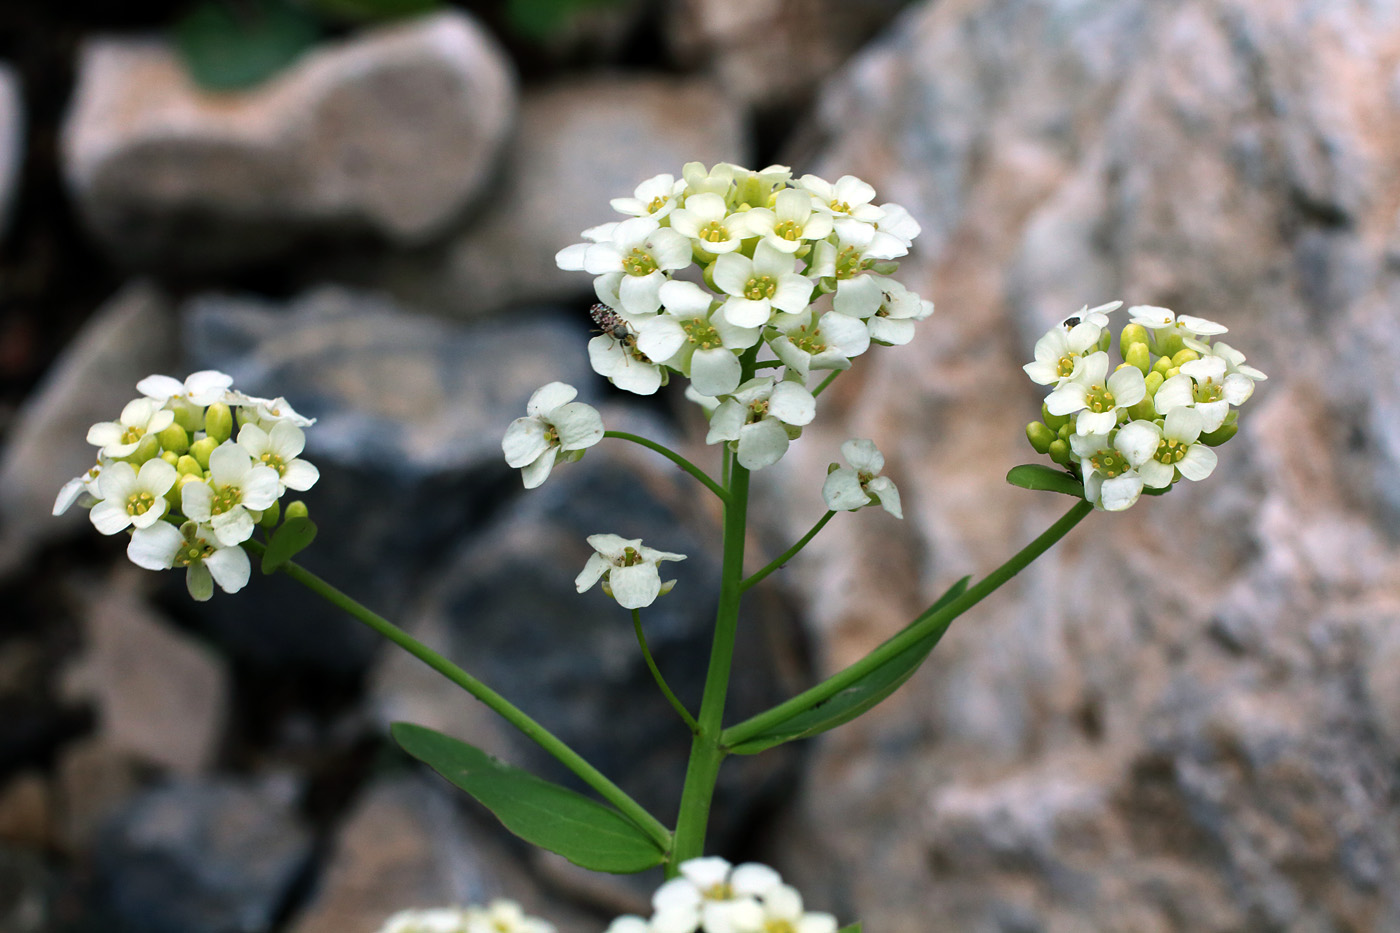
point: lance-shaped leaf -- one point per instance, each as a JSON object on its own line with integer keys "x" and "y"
{"x": 861, "y": 695}
{"x": 552, "y": 817}
{"x": 1039, "y": 476}
{"x": 290, "y": 538}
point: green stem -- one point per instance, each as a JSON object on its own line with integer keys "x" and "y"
{"x": 826, "y": 382}
{"x": 706, "y": 752}
{"x": 675, "y": 458}
{"x": 927, "y": 623}
{"x": 787, "y": 555}
{"x": 498, "y": 704}
{"x": 656, "y": 674}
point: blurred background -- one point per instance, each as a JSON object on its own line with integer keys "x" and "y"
{"x": 1185, "y": 717}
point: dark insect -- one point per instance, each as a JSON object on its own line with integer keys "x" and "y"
{"x": 1071, "y": 322}
{"x": 609, "y": 322}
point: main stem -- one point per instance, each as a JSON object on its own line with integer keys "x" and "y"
{"x": 705, "y": 753}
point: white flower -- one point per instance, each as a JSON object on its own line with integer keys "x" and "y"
{"x": 1096, "y": 399}
{"x": 266, "y": 411}
{"x": 1205, "y": 386}
{"x": 829, "y": 344}
{"x": 635, "y": 260}
{"x": 706, "y": 220}
{"x": 278, "y": 449}
{"x": 631, "y": 572}
{"x": 629, "y": 924}
{"x": 235, "y": 490}
{"x": 782, "y": 911}
{"x": 790, "y": 223}
{"x": 435, "y": 920}
{"x": 898, "y": 226}
{"x": 711, "y": 895}
{"x": 202, "y": 388}
{"x": 81, "y": 489}
{"x": 656, "y": 197}
{"x": 1110, "y": 482}
{"x": 692, "y": 340}
{"x": 140, "y": 417}
{"x": 571, "y": 258}
{"x": 849, "y": 197}
{"x": 555, "y": 428}
{"x": 1234, "y": 362}
{"x": 1163, "y": 322}
{"x": 1059, "y": 351}
{"x": 503, "y": 916}
{"x": 759, "y": 285}
{"x": 132, "y": 499}
{"x": 850, "y": 488}
{"x": 761, "y": 418}
{"x": 699, "y": 180}
{"x": 887, "y": 307}
{"x": 193, "y": 546}
{"x": 623, "y": 364}
{"x": 1158, "y": 451}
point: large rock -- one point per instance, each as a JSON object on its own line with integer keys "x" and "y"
{"x": 392, "y": 132}
{"x": 130, "y": 337}
{"x": 410, "y": 413}
{"x": 579, "y": 145}
{"x": 1184, "y": 717}
{"x": 11, "y": 142}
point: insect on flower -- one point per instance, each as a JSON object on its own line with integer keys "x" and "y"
{"x": 609, "y": 322}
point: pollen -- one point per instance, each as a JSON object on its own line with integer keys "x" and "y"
{"x": 760, "y": 288}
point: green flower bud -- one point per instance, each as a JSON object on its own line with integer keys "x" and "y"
{"x": 1223, "y": 433}
{"x": 148, "y": 448}
{"x": 170, "y": 457}
{"x": 175, "y": 439}
{"x": 1054, "y": 422}
{"x": 1163, "y": 366}
{"x": 1040, "y": 436}
{"x": 187, "y": 415}
{"x": 1133, "y": 335}
{"x": 1066, "y": 432}
{"x": 1144, "y": 410}
{"x": 1184, "y": 355}
{"x": 1154, "y": 382}
{"x": 176, "y": 491}
{"x": 1172, "y": 345}
{"x": 1060, "y": 452}
{"x": 201, "y": 449}
{"x": 1105, "y": 340}
{"x": 271, "y": 514}
{"x": 189, "y": 466}
{"x": 1138, "y": 355}
{"x": 295, "y": 509}
{"x": 832, "y": 468}
{"x": 218, "y": 422}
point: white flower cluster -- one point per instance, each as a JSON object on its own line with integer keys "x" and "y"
{"x": 712, "y": 896}
{"x": 725, "y": 262}
{"x": 1155, "y": 418}
{"x": 170, "y": 471}
{"x": 500, "y": 916}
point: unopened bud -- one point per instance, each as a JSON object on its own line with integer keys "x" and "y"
{"x": 201, "y": 449}
{"x": 1184, "y": 355}
{"x": 148, "y": 448}
{"x": 174, "y": 439}
{"x": 176, "y": 493}
{"x": 218, "y": 422}
{"x": 1040, "y": 436}
{"x": 295, "y": 509}
{"x": 1133, "y": 335}
{"x": 188, "y": 416}
{"x": 1163, "y": 366}
{"x": 170, "y": 457}
{"x": 189, "y": 466}
{"x": 1221, "y": 434}
{"x": 271, "y": 514}
{"x": 1053, "y": 422}
{"x": 1138, "y": 355}
{"x": 1059, "y": 451}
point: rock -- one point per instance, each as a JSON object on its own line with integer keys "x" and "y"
{"x": 1180, "y": 718}
{"x": 405, "y": 845}
{"x": 578, "y": 146}
{"x": 129, "y": 337}
{"x": 94, "y": 781}
{"x": 507, "y": 610}
{"x": 160, "y": 696}
{"x": 772, "y": 53}
{"x": 411, "y": 413}
{"x": 26, "y": 890}
{"x": 26, "y": 811}
{"x": 201, "y": 857}
{"x": 392, "y": 131}
{"x": 11, "y": 142}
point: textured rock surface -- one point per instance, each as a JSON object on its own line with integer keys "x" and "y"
{"x": 129, "y": 338}
{"x": 392, "y": 132}
{"x": 578, "y": 146}
{"x": 11, "y": 142}
{"x": 1184, "y": 718}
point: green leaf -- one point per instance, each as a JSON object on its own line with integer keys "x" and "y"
{"x": 585, "y": 832}
{"x": 853, "y": 928}
{"x": 1039, "y": 476}
{"x": 288, "y": 540}
{"x": 229, "y": 45}
{"x": 540, "y": 20}
{"x": 857, "y": 698}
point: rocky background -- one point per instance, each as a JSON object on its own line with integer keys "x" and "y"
{"x": 1186, "y": 717}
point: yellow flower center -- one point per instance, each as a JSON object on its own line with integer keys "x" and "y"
{"x": 138, "y": 503}
{"x": 701, "y": 333}
{"x": 714, "y": 232}
{"x": 639, "y": 262}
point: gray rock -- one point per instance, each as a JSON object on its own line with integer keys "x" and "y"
{"x": 11, "y": 142}
{"x": 393, "y": 132}
{"x": 26, "y": 892}
{"x": 1181, "y": 718}
{"x": 129, "y": 338}
{"x": 578, "y": 146}
{"x": 201, "y": 857}
{"x": 411, "y": 414}
{"x": 159, "y": 696}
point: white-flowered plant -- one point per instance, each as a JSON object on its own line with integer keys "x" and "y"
{"x": 168, "y": 473}
{"x": 629, "y": 571}
{"x": 709, "y": 895}
{"x": 853, "y": 487}
{"x": 554, "y": 429}
{"x": 499, "y": 916}
{"x": 1151, "y": 422}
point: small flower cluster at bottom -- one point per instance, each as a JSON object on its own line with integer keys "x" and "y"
{"x": 712, "y": 896}
{"x": 500, "y": 916}
{"x": 190, "y": 469}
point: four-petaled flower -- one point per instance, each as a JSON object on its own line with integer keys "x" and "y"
{"x": 630, "y": 571}
{"x": 280, "y": 448}
{"x": 206, "y": 559}
{"x": 237, "y": 487}
{"x": 132, "y": 499}
{"x": 1096, "y": 399}
{"x": 139, "y": 418}
{"x": 555, "y": 428}
{"x": 761, "y": 418}
{"x": 850, "y": 488}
